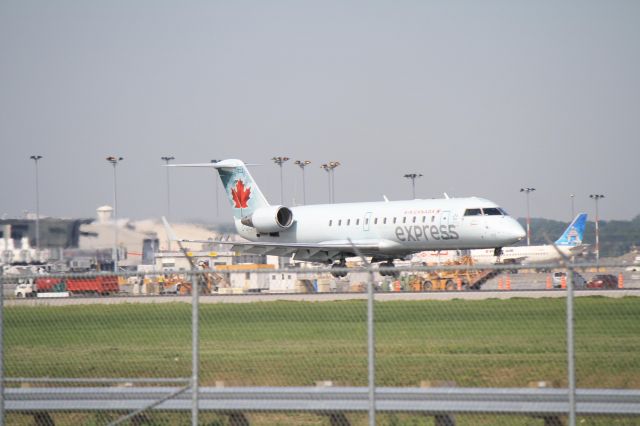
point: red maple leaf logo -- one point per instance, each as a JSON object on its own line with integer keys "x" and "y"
{"x": 241, "y": 195}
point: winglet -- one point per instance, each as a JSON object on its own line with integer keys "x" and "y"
{"x": 385, "y": 198}
{"x": 170, "y": 234}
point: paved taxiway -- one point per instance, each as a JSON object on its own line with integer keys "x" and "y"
{"x": 322, "y": 297}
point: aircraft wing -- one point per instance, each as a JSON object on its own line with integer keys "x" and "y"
{"x": 317, "y": 252}
{"x": 314, "y": 252}
{"x": 581, "y": 248}
{"x": 514, "y": 260}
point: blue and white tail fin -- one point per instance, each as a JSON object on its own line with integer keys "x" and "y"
{"x": 242, "y": 191}
{"x": 572, "y": 236}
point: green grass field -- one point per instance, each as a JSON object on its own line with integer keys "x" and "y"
{"x": 491, "y": 343}
{"x": 474, "y": 343}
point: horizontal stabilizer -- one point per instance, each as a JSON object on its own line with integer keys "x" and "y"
{"x": 224, "y": 164}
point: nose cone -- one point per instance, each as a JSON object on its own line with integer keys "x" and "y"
{"x": 514, "y": 231}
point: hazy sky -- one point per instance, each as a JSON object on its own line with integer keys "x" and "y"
{"x": 481, "y": 97}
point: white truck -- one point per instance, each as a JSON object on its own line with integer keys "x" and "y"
{"x": 26, "y": 289}
{"x": 30, "y": 289}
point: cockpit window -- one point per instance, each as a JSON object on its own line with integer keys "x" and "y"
{"x": 504, "y": 212}
{"x": 473, "y": 212}
{"x": 492, "y": 211}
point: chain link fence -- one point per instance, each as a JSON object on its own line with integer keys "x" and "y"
{"x": 106, "y": 349}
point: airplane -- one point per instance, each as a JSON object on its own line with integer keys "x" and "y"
{"x": 384, "y": 230}
{"x": 569, "y": 244}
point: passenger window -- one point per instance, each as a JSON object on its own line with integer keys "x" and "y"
{"x": 384, "y": 221}
{"x": 492, "y": 211}
{"x": 366, "y": 221}
{"x": 473, "y": 212}
{"x": 330, "y": 222}
{"x": 357, "y": 222}
{"x": 404, "y": 219}
{"x": 348, "y": 222}
{"x": 433, "y": 218}
{"x": 424, "y": 218}
{"x": 339, "y": 222}
{"x": 394, "y": 220}
{"x": 375, "y": 221}
{"x": 414, "y": 219}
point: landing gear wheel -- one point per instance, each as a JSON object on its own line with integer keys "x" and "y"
{"x": 427, "y": 285}
{"x": 339, "y": 274}
{"x": 388, "y": 272}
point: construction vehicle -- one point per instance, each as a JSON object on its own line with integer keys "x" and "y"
{"x": 210, "y": 281}
{"x": 452, "y": 279}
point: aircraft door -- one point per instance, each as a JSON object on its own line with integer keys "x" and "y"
{"x": 365, "y": 222}
{"x": 473, "y": 224}
{"x": 445, "y": 218}
{"x": 454, "y": 228}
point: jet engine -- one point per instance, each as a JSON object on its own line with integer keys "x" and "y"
{"x": 269, "y": 219}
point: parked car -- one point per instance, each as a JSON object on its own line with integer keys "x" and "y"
{"x": 578, "y": 280}
{"x": 603, "y": 281}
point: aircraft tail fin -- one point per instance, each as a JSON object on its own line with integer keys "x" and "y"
{"x": 572, "y": 236}
{"x": 242, "y": 191}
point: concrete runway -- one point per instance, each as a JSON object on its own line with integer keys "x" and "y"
{"x": 321, "y": 297}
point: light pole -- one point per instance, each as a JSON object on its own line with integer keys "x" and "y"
{"x": 35, "y": 159}
{"x": 302, "y": 164}
{"x": 527, "y": 191}
{"x": 413, "y": 177}
{"x": 217, "y": 184}
{"x": 573, "y": 213}
{"x": 326, "y": 168}
{"x": 597, "y": 197}
{"x": 332, "y": 167}
{"x": 114, "y": 161}
{"x": 279, "y": 161}
{"x": 167, "y": 159}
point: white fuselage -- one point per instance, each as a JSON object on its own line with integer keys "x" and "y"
{"x": 397, "y": 227}
{"x": 527, "y": 254}
{"x": 519, "y": 254}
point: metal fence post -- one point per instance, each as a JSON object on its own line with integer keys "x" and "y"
{"x": 371, "y": 337}
{"x": 371, "y": 350}
{"x": 195, "y": 290}
{"x": 570, "y": 349}
{"x": 1, "y": 349}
